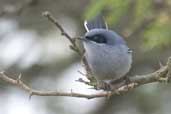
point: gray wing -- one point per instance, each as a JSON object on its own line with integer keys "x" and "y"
{"x": 96, "y": 22}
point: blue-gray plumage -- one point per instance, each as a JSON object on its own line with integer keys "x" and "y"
{"x": 106, "y": 52}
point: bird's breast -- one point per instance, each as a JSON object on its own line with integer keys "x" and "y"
{"x": 108, "y": 62}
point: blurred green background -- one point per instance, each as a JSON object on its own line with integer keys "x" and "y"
{"x": 32, "y": 46}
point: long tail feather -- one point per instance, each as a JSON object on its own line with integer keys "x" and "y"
{"x": 97, "y": 22}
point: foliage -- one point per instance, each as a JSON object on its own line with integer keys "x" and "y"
{"x": 157, "y": 33}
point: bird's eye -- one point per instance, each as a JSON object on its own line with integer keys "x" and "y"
{"x": 97, "y": 39}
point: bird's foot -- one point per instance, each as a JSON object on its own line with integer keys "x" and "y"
{"x": 112, "y": 85}
{"x": 117, "y": 83}
{"x": 103, "y": 85}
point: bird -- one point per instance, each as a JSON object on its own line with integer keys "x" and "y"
{"x": 106, "y": 52}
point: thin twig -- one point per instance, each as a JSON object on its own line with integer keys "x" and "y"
{"x": 52, "y": 19}
{"x": 63, "y": 32}
{"x": 22, "y": 85}
{"x": 73, "y": 46}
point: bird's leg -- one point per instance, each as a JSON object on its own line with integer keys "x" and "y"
{"x": 104, "y": 85}
{"x": 112, "y": 85}
{"x": 116, "y": 83}
{"x": 127, "y": 80}
{"x": 118, "y": 80}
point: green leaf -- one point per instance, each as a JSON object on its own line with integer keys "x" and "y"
{"x": 115, "y": 9}
{"x": 158, "y": 35}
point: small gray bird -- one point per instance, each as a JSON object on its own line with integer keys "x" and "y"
{"x": 106, "y": 52}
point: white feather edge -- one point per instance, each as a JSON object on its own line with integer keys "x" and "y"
{"x": 85, "y": 25}
{"x": 106, "y": 25}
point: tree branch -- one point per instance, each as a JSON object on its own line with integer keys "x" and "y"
{"x": 74, "y": 47}
{"x": 22, "y": 85}
{"x": 161, "y": 75}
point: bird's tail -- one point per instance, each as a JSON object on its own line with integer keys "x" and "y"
{"x": 96, "y": 22}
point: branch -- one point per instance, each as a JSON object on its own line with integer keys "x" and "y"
{"x": 161, "y": 75}
{"x": 22, "y": 85}
{"x": 74, "y": 47}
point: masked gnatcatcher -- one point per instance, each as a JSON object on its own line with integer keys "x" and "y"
{"x": 106, "y": 52}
